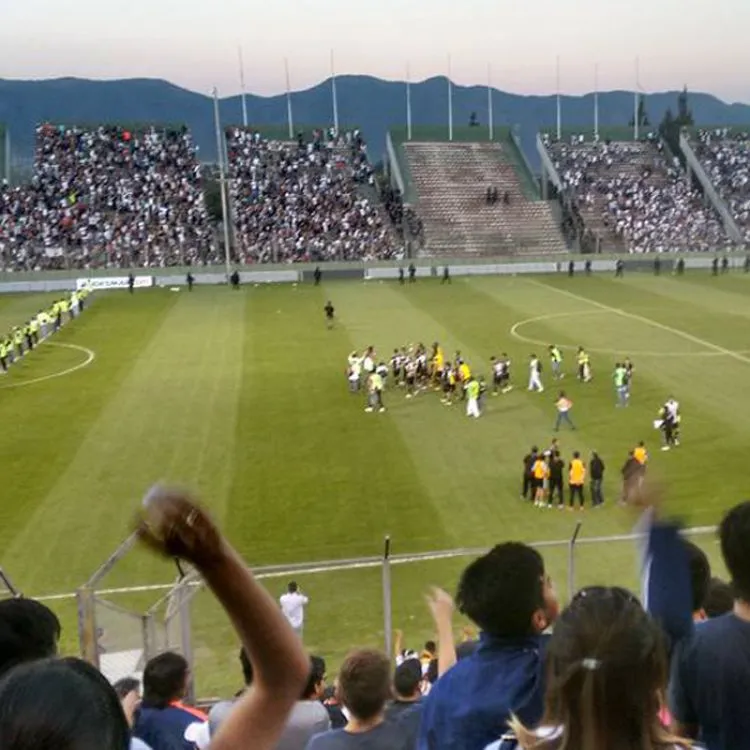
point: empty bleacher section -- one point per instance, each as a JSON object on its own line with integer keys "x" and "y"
{"x": 305, "y": 200}
{"x": 447, "y": 182}
{"x": 631, "y": 196}
{"x": 108, "y": 195}
{"x": 724, "y": 154}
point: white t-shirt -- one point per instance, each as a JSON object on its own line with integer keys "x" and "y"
{"x": 293, "y": 607}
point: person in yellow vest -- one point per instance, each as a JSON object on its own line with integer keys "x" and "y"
{"x": 464, "y": 376}
{"x": 584, "y": 365}
{"x": 576, "y": 480}
{"x": 472, "y": 389}
{"x": 640, "y": 454}
{"x": 3, "y": 356}
{"x": 563, "y": 406}
{"x": 375, "y": 395}
{"x": 539, "y": 476}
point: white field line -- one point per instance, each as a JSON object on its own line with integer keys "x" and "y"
{"x": 642, "y": 319}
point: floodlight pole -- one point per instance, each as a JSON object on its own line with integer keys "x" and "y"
{"x": 222, "y": 184}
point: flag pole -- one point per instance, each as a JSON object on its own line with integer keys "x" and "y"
{"x": 222, "y": 182}
{"x": 242, "y": 87}
{"x": 596, "y": 102}
{"x": 289, "y": 118}
{"x": 636, "y": 124}
{"x": 450, "y": 102}
{"x": 490, "y": 115}
{"x": 408, "y": 102}
{"x": 334, "y": 96}
{"x": 557, "y": 101}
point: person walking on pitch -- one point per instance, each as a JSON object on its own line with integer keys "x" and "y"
{"x": 472, "y": 398}
{"x": 563, "y": 406}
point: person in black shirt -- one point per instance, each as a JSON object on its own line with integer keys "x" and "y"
{"x": 587, "y": 267}
{"x": 329, "y": 311}
{"x": 619, "y": 269}
{"x": 412, "y": 273}
{"x": 747, "y": 264}
{"x": 571, "y": 268}
{"x": 131, "y": 282}
{"x": 317, "y": 275}
{"x": 556, "y": 470}
{"x": 190, "y": 281}
{"x": 631, "y": 472}
{"x": 680, "y": 267}
{"x": 725, "y": 264}
{"x": 715, "y": 267}
{"x": 234, "y": 280}
{"x": 446, "y": 275}
{"x": 400, "y": 275}
{"x": 657, "y": 267}
{"x": 596, "y": 475}
{"x": 528, "y": 462}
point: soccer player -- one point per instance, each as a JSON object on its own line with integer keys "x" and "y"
{"x": 354, "y": 371}
{"x": 329, "y": 311}
{"x": 576, "y": 480}
{"x": 555, "y": 356}
{"x": 497, "y": 374}
{"x": 563, "y": 406}
{"x": 527, "y": 484}
{"x": 190, "y": 281}
{"x": 410, "y": 374}
{"x": 507, "y": 386}
{"x": 584, "y": 365}
{"x": 375, "y": 395}
{"x": 667, "y": 424}
{"x": 673, "y": 407}
{"x": 472, "y": 401}
{"x": 535, "y": 374}
{"x": 448, "y": 378}
{"x": 397, "y": 363}
{"x": 446, "y": 275}
{"x": 621, "y": 384}
{"x": 556, "y": 469}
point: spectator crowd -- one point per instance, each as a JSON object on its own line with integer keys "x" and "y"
{"x": 107, "y": 197}
{"x": 609, "y": 670}
{"x": 310, "y": 200}
{"x": 725, "y": 156}
{"x": 639, "y": 196}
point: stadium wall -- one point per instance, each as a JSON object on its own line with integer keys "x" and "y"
{"x": 58, "y": 281}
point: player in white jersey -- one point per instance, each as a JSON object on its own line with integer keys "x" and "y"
{"x": 673, "y": 409}
{"x": 535, "y": 374}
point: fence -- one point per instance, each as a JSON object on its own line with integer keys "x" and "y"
{"x": 352, "y": 600}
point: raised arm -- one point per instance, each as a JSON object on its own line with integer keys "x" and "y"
{"x": 176, "y": 526}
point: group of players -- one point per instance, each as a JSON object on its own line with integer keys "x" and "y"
{"x": 21, "y": 340}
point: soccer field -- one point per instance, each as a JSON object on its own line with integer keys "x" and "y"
{"x": 242, "y": 396}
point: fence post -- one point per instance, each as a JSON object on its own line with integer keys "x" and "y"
{"x": 572, "y": 560}
{"x": 87, "y": 635}
{"x": 387, "y": 604}
{"x": 186, "y": 635}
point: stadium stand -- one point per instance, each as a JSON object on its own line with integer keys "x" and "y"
{"x": 450, "y": 183}
{"x": 724, "y": 154}
{"x": 633, "y": 196}
{"x": 309, "y": 200}
{"x": 108, "y": 196}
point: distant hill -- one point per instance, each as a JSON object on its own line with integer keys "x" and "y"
{"x": 370, "y": 103}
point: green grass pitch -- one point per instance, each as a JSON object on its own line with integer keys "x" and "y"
{"x": 242, "y": 396}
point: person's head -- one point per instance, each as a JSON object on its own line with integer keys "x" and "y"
{"x": 292, "y": 587}
{"x": 700, "y": 577}
{"x": 562, "y": 394}
{"x": 81, "y": 710}
{"x": 734, "y": 534}
{"x": 316, "y": 680}
{"x": 430, "y": 647}
{"x": 576, "y": 454}
{"x": 407, "y": 680}
{"x": 165, "y": 679}
{"x": 719, "y": 598}
{"x": 507, "y": 593}
{"x": 126, "y": 686}
{"x": 365, "y": 683}
{"x": 606, "y": 668}
{"x": 28, "y": 631}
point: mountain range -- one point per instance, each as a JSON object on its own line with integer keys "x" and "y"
{"x": 370, "y": 103}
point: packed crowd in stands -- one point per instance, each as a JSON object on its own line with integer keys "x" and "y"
{"x": 303, "y": 200}
{"x": 645, "y": 200}
{"x": 725, "y": 155}
{"x": 604, "y": 672}
{"x": 107, "y": 197}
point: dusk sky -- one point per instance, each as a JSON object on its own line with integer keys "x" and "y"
{"x": 194, "y": 43}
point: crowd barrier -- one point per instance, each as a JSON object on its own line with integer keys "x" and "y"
{"x": 304, "y": 273}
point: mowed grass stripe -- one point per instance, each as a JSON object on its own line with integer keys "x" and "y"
{"x": 16, "y": 309}
{"x": 317, "y": 478}
{"x": 157, "y": 425}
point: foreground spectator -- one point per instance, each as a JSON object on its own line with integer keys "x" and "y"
{"x": 162, "y": 713}
{"x": 508, "y": 595}
{"x": 365, "y": 687}
{"x": 606, "y": 668}
{"x": 406, "y": 706}
{"x": 711, "y": 668}
{"x": 719, "y": 599}
{"x": 28, "y": 631}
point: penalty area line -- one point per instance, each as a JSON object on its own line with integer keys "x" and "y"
{"x": 90, "y": 357}
{"x": 642, "y": 319}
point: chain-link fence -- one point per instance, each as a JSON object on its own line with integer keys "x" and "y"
{"x": 360, "y": 601}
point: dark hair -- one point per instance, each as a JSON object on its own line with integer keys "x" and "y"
{"x": 719, "y": 598}
{"x": 365, "y": 683}
{"x": 606, "y": 666}
{"x": 430, "y": 646}
{"x": 247, "y": 667}
{"x": 164, "y": 679}
{"x": 126, "y": 686}
{"x": 292, "y": 587}
{"x": 316, "y": 676}
{"x": 64, "y": 704}
{"x": 700, "y": 574}
{"x": 501, "y": 590}
{"x": 734, "y": 534}
{"x": 28, "y": 631}
{"x": 407, "y": 677}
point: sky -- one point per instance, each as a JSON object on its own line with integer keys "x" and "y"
{"x": 194, "y": 43}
